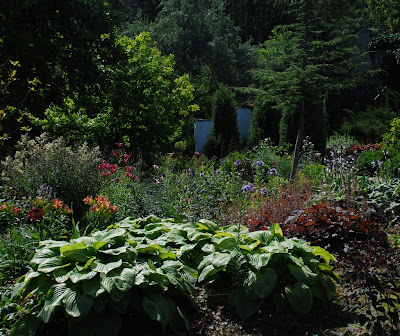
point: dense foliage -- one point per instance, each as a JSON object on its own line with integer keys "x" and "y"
{"x": 150, "y": 266}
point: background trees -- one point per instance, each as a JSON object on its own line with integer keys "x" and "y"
{"x": 64, "y": 64}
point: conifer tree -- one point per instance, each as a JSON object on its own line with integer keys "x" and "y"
{"x": 224, "y": 135}
{"x": 303, "y": 63}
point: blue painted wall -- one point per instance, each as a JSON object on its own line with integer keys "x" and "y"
{"x": 202, "y": 128}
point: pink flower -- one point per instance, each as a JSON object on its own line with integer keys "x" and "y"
{"x": 115, "y": 153}
{"x": 119, "y": 144}
{"x": 318, "y": 154}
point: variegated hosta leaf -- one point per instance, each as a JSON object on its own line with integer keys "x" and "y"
{"x": 43, "y": 254}
{"x": 83, "y": 275}
{"x": 108, "y": 235}
{"x": 217, "y": 259}
{"x": 108, "y": 284}
{"x": 259, "y": 260}
{"x": 116, "y": 251}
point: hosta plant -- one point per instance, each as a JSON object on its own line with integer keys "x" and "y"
{"x": 250, "y": 269}
{"x": 103, "y": 282}
{"x": 147, "y": 269}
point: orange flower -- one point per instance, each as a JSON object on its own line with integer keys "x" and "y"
{"x": 88, "y": 200}
{"x": 66, "y": 209}
{"x": 95, "y": 208}
{"x": 3, "y": 207}
{"x": 57, "y": 204}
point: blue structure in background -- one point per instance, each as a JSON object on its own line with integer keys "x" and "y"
{"x": 202, "y": 128}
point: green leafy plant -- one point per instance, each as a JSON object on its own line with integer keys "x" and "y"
{"x": 148, "y": 267}
{"x": 247, "y": 267}
{"x": 96, "y": 280}
{"x": 71, "y": 172}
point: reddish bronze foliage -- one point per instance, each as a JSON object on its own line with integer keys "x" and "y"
{"x": 276, "y": 209}
{"x": 334, "y": 228}
{"x": 357, "y": 149}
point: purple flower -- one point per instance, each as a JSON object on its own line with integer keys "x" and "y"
{"x": 237, "y": 162}
{"x": 260, "y": 163}
{"x": 262, "y": 191}
{"x": 217, "y": 172}
{"x": 248, "y": 187}
{"x": 273, "y": 171}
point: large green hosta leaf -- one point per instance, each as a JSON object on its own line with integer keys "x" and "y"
{"x": 300, "y": 297}
{"x": 25, "y": 326}
{"x": 77, "y": 304}
{"x": 53, "y": 299}
{"x": 245, "y": 306}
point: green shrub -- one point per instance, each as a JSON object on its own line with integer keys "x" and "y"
{"x": 271, "y": 156}
{"x": 147, "y": 268}
{"x": 71, "y": 172}
{"x": 369, "y": 162}
{"x": 340, "y": 141}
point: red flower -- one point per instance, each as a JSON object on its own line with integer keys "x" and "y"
{"x": 35, "y": 214}
{"x": 15, "y": 210}
{"x": 186, "y": 200}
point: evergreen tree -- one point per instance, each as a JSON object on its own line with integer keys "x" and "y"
{"x": 224, "y": 135}
{"x": 303, "y": 63}
{"x": 264, "y": 122}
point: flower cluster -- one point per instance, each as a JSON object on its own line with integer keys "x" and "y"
{"x": 60, "y": 205}
{"x": 107, "y": 168}
{"x": 100, "y": 205}
{"x": 249, "y": 187}
{"x": 35, "y": 214}
{"x": 37, "y": 210}
{"x": 10, "y": 208}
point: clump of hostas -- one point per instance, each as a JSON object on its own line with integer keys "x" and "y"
{"x": 334, "y": 228}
